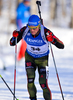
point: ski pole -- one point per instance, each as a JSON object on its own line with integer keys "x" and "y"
{"x": 8, "y": 87}
{"x": 15, "y": 66}
{"x": 56, "y": 71}
{"x": 39, "y": 4}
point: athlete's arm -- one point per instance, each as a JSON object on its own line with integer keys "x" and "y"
{"x": 53, "y": 39}
{"x": 18, "y": 35}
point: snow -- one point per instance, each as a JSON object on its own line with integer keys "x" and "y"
{"x": 63, "y": 58}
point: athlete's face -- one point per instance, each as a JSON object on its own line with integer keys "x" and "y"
{"x": 34, "y": 29}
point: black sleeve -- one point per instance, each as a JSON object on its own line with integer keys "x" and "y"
{"x": 58, "y": 43}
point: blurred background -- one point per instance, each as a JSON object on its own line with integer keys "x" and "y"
{"x": 57, "y": 15}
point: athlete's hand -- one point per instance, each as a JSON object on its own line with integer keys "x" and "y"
{"x": 50, "y": 38}
{"x": 15, "y": 33}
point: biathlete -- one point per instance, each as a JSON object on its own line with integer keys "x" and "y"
{"x": 37, "y": 38}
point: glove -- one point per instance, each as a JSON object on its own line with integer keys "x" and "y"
{"x": 50, "y": 38}
{"x": 15, "y": 33}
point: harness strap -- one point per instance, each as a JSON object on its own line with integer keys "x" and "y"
{"x": 25, "y": 32}
{"x": 43, "y": 34}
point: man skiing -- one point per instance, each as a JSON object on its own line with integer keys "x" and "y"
{"x": 37, "y": 38}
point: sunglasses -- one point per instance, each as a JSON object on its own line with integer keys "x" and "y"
{"x": 30, "y": 27}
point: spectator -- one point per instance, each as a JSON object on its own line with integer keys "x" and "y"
{"x": 23, "y": 13}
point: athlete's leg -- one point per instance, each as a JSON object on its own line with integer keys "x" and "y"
{"x": 42, "y": 78}
{"x": 30, "y": 70}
